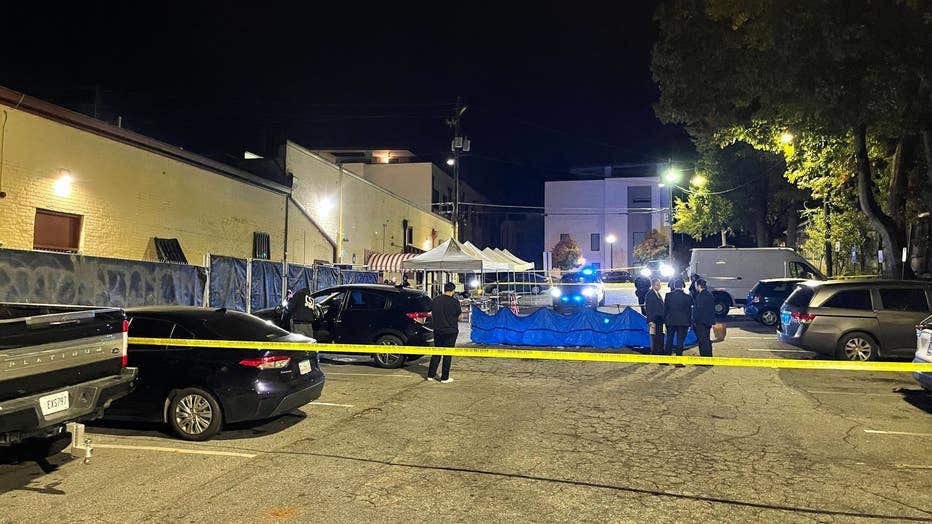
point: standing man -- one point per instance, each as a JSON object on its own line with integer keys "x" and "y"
{"x": 677, "y": 315}
{"x": 703, "y": 317}
{"x": 445, "y": 311}
{"x": 653, "y": 304}
{"x": 692, "y": 285}
{"x": 641, "y": 286}
{"x": 304, "y": 312}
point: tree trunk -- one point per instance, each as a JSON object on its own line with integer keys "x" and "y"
{"x": 899, "y": 177}
{"x": 724, "y": 238}
{"x": 792, "y": 224}
{"x": 761, "y": 232}
{"x": 927, "y": 149}
{"x": 883, "y": 224}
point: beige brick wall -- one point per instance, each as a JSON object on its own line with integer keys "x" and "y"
{"x": 128, "y": 195}
{"x": 368, "y": 216}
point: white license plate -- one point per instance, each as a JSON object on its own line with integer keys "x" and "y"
{"x": 53, "y": 403}
{"x": 304, "y": 367}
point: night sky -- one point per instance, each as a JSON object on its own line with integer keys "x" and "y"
{"x": 547, "y": 87}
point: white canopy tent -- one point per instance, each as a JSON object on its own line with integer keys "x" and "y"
{"x": 491, "y": 265}
{"x": 448, "y": 256}
{"x": 520, "y": 264}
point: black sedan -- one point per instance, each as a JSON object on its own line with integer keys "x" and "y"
{"x": 198, "y": 390}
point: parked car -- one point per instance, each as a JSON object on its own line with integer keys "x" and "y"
{"x": 369, "y": 314}
{"x": 661, "y": 269}
{"x": 581, "y": 288}
{"x": 764, "y": 300}
{"x": 732, "y": 272}
{"x": 855, "y": 319}
{"x": 924, "y": 351}
{"x": 521, "y": 283}
{"x": 58, "y": 365}
{"x": 198, "y": 390}
{"x": 616, "y": 276}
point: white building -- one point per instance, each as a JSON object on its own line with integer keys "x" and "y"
{"x": 588, "y": 211}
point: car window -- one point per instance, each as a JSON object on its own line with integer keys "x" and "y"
{"x": 365, "y": 301}
{"x": 904, "y": 299}
{"x": 781, "y": 287}
{"x": 150, "y": 327}
{"x": 233, "y": 325}
{"x": 415, "y": 302}
{"x": 800, "y": 297}
{"x": 859, "y": 299}
{"x": 800, "y": 270}
{"x": 180, "y": 331}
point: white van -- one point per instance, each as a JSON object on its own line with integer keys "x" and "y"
{"x": 732, "y": 272}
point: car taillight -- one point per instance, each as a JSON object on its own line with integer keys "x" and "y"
{"x": 756, "y": 299}
{"x": 276, "y": 362}
{"x": 802, "y": 318}
{"x": 124, "y": 358}
{"x": 419, "y": 316}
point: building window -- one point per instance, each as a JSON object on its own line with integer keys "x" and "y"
{"x": 410, "y": 235}
{"x": 169, "y": 250}
{"x": 261, "y": 246}
{"x": 435, "y": 196}
{"x": 56, "y": 231}
{"x": 595, "y": 242}
{"x": 564, "y": 236}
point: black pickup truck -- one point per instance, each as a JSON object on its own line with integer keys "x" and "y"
{"x": 58, "y": 365}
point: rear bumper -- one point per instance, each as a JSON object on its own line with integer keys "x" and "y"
{"x": 924, "y": 379}
{"x": 22, "y": 418}
{"x": 297, "y": 399}
{"x": 271, "y": 398}
{"x": 751, "y": 310}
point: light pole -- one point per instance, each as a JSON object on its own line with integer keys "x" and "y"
{"x": 611, "y": 250}
{"x": 670, "y": 178}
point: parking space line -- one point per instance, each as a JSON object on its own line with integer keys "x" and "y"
{"x": 182, "y": 451}
{"x": 315, "y": 403}
{"x": 906, "y": 433}
{"x": 328, "y": 373}
{"x": 861, "y": 393}
{"x": 756, "y": 337}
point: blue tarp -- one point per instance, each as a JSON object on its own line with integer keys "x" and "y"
{"x": 300, "y": 277}
{"x": 326, "y": 277}
{"x": 228, "y": 282}
{"x": 266, "y": 284}
{"x": 359, "y": 277}
{"x": 62, "y": 278}
{"x": 583, "y": 328}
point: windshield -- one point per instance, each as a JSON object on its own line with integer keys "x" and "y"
{"x": 233, "y": 325}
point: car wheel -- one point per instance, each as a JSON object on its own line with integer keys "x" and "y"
{"x": 388, "y": 360}
{"x": 769, "y": 317}
{"x": 535, "y": 290}
{"x": 721, "y": 304}
{"x": 857, "y": 347}
{"x": 194, "y": 414}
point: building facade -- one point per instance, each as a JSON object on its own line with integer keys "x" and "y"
{"x": 590, "y": 211}
{"x": 359, "y": 214}
{"x": 75, "y": 184}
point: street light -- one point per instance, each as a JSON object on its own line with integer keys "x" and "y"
{"x": 450, "y": 161}
{"x": 786, "y": 137}
{"x": 698, "y": 181}
{"x": 611, "y": 250}
{"x": 672, "y": 176}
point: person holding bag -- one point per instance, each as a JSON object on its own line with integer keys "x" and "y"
{"x": 703, "y": 317}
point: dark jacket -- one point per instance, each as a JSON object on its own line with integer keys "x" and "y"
{"x": 677, "y": 308}
{"x": 704, "y": 309}
{"x": 654, "y": 306}
{"x": 641, "y": 287}
{"x": 444, "y": 314}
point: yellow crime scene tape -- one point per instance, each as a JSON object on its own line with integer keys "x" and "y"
{"x": 546, "y": 354}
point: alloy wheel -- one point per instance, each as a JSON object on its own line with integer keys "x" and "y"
{"x": 769, "y": 317}
{"x": 858, "y": 348}
{"x": 193, "y": 414}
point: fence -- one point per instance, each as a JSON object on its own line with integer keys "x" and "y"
{"x": 234, "y": 283}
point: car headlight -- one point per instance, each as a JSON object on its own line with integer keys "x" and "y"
{"x": 645, "y": 272}
{"x": 666, "y": 270}
{"x": 555, "y": 292}
{"x": 588, "y": 292}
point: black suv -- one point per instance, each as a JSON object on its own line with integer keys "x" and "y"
{"x": 369, "y": 314}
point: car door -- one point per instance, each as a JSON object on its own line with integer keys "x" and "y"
{"x": 327, "y": 329}
{"x": 152, "y": 369}
{"x": 363, "y": 313}
{"x": 901, "y": 308}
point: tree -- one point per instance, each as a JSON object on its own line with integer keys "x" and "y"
{"x": 837, "y": 81}
{"x": 655, "y": 245}
{"x": 703, "y": 214}
{"x": 566, "y": 254}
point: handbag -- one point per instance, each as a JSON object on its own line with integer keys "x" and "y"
{"x": 718, "y": 331}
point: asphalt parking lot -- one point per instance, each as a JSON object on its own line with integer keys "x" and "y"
{"x": 526, "y": 440}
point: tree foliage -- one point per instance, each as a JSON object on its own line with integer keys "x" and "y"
{"x": 703, "y": 214}
{"x": 840, "y": 89}
{"x": 654, "y": 246}
{"x": 566, "y": 254}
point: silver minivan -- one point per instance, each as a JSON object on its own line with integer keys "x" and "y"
{"x": 855, "y": 319}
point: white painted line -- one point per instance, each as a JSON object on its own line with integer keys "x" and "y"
{"x": 782, "y": 350}
{"x": 913, "y": 466}
{"x": 907, "y": 433}
{"x": 182, "y": 451}
{"x": 861, "y": 393}
{"x": 727, "y": 337}
{"x": 328, "y": 373}
{"x": 329, "y": 404}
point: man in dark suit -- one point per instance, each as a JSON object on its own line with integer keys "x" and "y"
{"x": 677, "y": 315}
{"x": 641, "y": 287}
{"x": 654, "y": 310}
{"x": 703, "y": 317}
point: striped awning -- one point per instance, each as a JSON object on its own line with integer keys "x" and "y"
{"x": 390, "y": 262}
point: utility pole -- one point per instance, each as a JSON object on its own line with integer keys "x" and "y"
{"x": 460, "y": 144}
